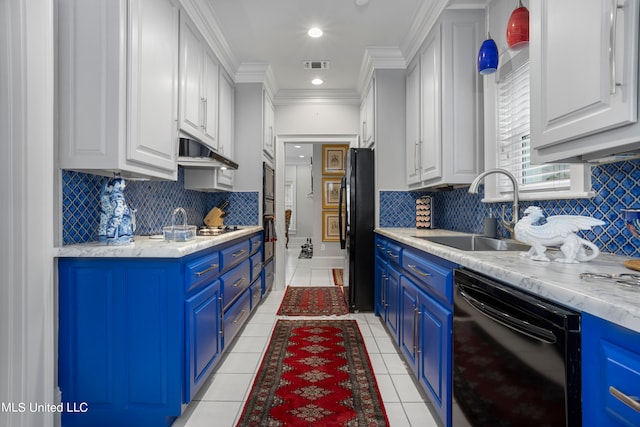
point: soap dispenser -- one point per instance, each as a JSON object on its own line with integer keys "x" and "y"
{"x": 491, "y": 225}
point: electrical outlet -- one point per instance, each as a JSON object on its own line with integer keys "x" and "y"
{"x": 322, "y": 247}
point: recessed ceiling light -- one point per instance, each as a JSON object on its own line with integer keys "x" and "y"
{"x": 298, "y": 146}
{"x": 315, "y": 32}
{"x": 301, "y": 156}
{"x": 317, "y": 81}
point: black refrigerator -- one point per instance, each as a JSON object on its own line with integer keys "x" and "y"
{"x": 356, "y": 224}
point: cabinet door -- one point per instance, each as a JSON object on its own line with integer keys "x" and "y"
{"x": 583, "y": 68}
{"x": 431, "y": 130}
{"x": 267, "y": 124}
{"x": 381, "y": 288}
{"x": 393, "y": 303}
{"x": 210, "y": 100}
{"x": 153, "y": 83}
{"x": 611, "y": 374}
{"x": 434, "y": 352}
{"x": 226, "y": 120}
{"x": 413, "y": 123}
{"x": 203, "y": 340}
{"x": 191, "y": 66}
{"x": 367, "y": 114}
{"x": 408, "y": 322}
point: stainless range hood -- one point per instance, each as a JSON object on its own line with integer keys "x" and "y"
{"x": 194, "y": 154}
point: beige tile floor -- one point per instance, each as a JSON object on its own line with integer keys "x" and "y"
{"x": 220, "y": 402}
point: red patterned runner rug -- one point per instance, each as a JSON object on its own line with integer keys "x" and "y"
{"x": 315, "y": 373}
{"x": 313, "y": 301}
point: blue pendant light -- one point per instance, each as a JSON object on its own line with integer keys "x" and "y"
{"x": 488, "y": 56}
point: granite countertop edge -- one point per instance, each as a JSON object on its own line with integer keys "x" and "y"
{"x": 551, "y": 280}
{"x": 147, "y": 247}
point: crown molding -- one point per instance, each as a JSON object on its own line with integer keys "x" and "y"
{"x": 205, "y": 19}
{"x": 257, "y": 72}
{"x": 426, "y": 17}
{"x": 317, "y": 96}
{"x": 379, "y": 58}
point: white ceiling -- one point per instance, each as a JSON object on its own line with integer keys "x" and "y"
{"x": 293, "y": 152}
{"x": 275, "y": 32}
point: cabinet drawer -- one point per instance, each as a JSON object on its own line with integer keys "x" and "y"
{"x": 255, "y": 243}
{"x": 255, "y": 290}
{"x": 201, "y": 270}
{"x": 234, "y": 282}
{"x": 234, "y": 255}
{"x": 381, "y": 248}
{"x": 432, "y": 277}
{"x": 235, "y": 317}
{"x": 394, "y": 253}
{"x": 269, "y": 276}
{"x": 256, "y": 266}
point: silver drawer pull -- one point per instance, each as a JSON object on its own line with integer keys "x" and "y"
{"x": 240, "y": 316}
{"x": 238, "y": 253}
{"x": 391, "y": 254}
{"x": 211, "y": 268}
{"x": 239, "y": 282}
{"x": 417, "y": 270}
{"x": 631, "y": 401}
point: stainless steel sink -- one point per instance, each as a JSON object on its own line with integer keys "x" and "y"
{"x": 474, "y": 242}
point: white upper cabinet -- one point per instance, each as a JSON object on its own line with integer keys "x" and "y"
{"x": 199, "y": 74}
{"x": 268, "y": 123}
{"x": 225, "y": 128}
{"x": 368, "y": 117}
{"x": 443, "y": 104}
{"x": 413, "y": 123}
{"x": 118, "y": 87}
{"x": 584, "y": 72}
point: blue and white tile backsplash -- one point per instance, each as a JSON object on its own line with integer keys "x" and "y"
{"x": 154, "y": 202}
{"x": 617, "y": 186}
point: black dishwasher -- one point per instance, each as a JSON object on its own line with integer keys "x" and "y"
{"x": 516, "y": 357}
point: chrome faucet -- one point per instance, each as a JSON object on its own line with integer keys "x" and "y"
{"x": 473, "y": 189}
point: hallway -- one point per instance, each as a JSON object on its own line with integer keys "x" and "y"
{"x": 222, "y": 398}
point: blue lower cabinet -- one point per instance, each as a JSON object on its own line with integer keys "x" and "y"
{"x": 121, "y": 341}
{"x": 203, "y": 340}
{"x": 138, "y": 337}
{"x": 435, "y": 323}
{"x": 414, "y": 298}
{"x": 610, "y": 374}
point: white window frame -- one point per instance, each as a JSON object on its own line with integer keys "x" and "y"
{"x": 580, "y": 181}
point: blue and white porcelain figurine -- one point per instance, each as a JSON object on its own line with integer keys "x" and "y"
{"x": 105, "y": 210}
{"x": 557, "y": 230}
{"x": 121, "y": 224}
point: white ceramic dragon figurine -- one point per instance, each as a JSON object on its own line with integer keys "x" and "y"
{"x": 559, "y": 230}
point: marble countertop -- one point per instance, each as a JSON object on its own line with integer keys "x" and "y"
{"x": 148, "y": 247}
{"x": 552, "y": 280}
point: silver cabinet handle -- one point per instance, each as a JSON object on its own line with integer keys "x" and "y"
{"x": 630, "y": 401}
{"x": 205, "y": 271}
{"x": 239, "y": 282}
{"x": 613, "y": 29}
{"x": 240, "y": 316}
{"x": 415, "y": 269}
{"x": 392, "y": 255}
{"x": 238, "y": 253}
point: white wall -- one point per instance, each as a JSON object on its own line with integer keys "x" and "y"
{"x": 317, "y": 119}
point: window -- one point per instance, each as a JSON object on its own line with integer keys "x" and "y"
{"x": 508, "y": 93}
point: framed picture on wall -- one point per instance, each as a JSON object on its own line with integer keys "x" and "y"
{"x": 330, "y": 226}
{"x": 333, "y": 158}
{"x": 330, "y": 193}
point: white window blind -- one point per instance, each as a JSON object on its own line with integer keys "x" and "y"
{"x": 514, "y": 134}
